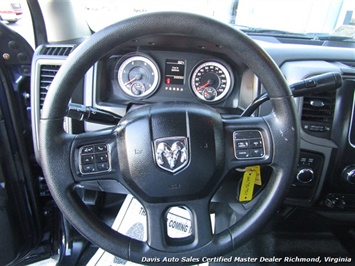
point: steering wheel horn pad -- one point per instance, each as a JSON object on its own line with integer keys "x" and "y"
{"x": 155, "y": 140}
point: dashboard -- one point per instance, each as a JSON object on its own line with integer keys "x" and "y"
{"x": 160, "y": 76}
{"x": 157, "y": 69}
{"x": 139, "y": 76}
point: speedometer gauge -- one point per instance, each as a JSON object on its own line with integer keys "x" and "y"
{"x": 138, "y": 76}
{"x": 211, "y": 81}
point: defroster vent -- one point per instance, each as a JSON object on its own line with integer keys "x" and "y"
{"x": 47, "y": 75}
{"x": 56, "y": 50}
{"x": 318, "y": 114}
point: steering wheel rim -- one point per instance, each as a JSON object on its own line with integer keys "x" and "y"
{"x": 55, "y": 144}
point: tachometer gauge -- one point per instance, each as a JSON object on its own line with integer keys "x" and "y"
{"x": 211, "y": 81}
{"x": 138, "y": 76}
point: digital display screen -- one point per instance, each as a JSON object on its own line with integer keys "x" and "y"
{"x": 174, "y": 72}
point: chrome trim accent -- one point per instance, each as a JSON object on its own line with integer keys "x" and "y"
{"x": 249, "y": 87}
{"x": 35, "y": 99}
{"x": 303, "y": 171}
{"x": 351, "y": 129}
{"x": 89, "y": 84}
{"x": 155, "y": 74}
{"x": 225, "y": 71}
{"x": 171, "y": 157}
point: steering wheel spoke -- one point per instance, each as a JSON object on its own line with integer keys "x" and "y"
{"x": 202, "y": 226}
{"x": 94, "y": 161}
{"x": 178, "y": 227}
{"x": 248, "y": 141}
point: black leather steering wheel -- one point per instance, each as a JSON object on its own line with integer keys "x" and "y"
{"x": 207, "y": 137}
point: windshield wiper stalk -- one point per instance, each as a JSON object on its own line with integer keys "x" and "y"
{"x": 317, "y": 84}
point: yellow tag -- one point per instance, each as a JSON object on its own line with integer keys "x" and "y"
{"x": 247, "y": 189}
{"x": 255, "y": 168}
{"x": 258, "y": 175}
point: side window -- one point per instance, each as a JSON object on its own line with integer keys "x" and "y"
{"x": 16, "y": 15}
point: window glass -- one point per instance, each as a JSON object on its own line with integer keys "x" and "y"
{"x": 336, "y": 17}
{"x": 16, "y": 15}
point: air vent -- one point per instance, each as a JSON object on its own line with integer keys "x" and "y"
{"x": 47, "y": 75}
{"x": 349, "y": 63}
{"x": 57, "y": 50}
{"x": 318, "y": 113}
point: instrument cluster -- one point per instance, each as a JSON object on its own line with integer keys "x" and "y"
{"x": 139, "y": 76}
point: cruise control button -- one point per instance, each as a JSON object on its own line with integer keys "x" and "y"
{"x": 87, "y": 149}
{"x": 101, "y": 157}
{"x": 256, "y": 143}
{"x": 256, "y": 153}
{"x": 244, "y": 144}
{"x": 103, "y": 166}
{"x": 100, "y": 148}
{"x": 88, "y": 168}
{"x": 87, "y": 159}
{"x": 242, "y": 154}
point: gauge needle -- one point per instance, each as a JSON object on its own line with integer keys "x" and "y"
{"x": 130, "y": 81}
{"x": 203, "y": 86}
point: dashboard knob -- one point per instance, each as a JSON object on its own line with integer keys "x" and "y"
{"x": 349, "y": 174}
{"x": 305, "y": 175}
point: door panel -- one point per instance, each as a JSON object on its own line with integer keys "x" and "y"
{"x": 19, "y": 205}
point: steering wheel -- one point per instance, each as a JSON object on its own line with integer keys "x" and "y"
{"x": 203, "y": 139}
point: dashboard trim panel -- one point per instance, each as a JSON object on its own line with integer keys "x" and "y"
{"x": 35, "y": 100}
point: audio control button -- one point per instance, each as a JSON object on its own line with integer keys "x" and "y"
{"x": 248, "y": 144}
{"x": 94, "y": 159}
